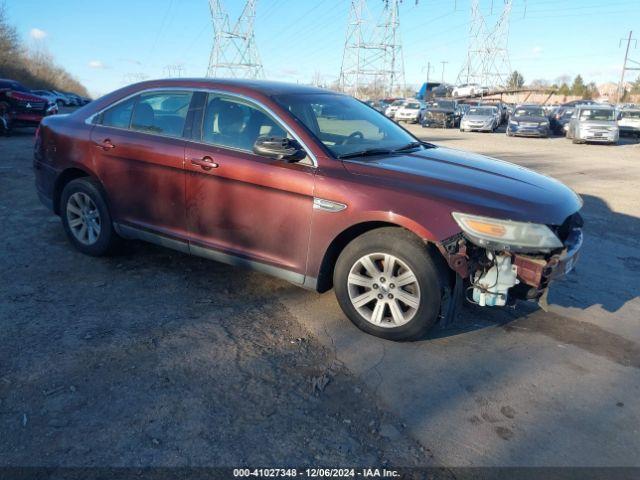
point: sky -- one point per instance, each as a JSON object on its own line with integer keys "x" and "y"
{"x": 109, "y": 43}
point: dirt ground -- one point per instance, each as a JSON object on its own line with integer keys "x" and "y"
{"x": 153, "y": 358}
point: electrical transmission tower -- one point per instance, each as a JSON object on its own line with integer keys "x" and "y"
{"x": 372, "y": 62}
{"x": 234, "y": 53}
{"x": 487, "y": 62}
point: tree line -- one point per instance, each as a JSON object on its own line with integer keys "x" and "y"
{"x": 577, "y": 88}
{"x": 34, "y": 68}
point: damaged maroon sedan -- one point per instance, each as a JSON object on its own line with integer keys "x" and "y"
{"x": 311, "y": 186}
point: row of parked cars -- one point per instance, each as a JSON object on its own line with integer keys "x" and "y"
{"x": 23, "y": 107}
{"x": 580, "y": 121}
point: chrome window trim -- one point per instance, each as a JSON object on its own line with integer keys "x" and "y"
{"x": 252, "y": 101}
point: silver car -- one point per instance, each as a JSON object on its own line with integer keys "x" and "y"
{"x": 480, "y": 119}
{"x": 593, "y": 123}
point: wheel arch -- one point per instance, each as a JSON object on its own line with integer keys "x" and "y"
{"x": 63, "y": 179}
{"x": 337, "y": 245}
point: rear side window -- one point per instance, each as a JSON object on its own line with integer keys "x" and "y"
{"x": 163, "y": 113}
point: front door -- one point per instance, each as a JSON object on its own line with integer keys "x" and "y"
{"x": 244, "y": 206}
{"x": 139, "y": 156}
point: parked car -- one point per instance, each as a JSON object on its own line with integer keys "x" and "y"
{"x": 528, "y": 121}
{"x": 395, "y": 225}
{"x": 441, "y": 113}
{"x": 480, "y": 119}
{"x": 393, "y": 107}
{"x": 75, "y": 100}
{"x": 379, "y": 105}
{"x": 629, "y": 122}
{"x": 410, "y": 111}
{"x": 65, "y": 99}
{"x": 593, "y": 123}
{"x": 466, "y": 90}
{"x": 559, "y": 120}
{"x": 21, "y": 108}
{"x": 50, "y": 96}
{"x": 503, "y": 114}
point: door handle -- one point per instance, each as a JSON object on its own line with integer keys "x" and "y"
{"x": 106, "y": 144}
{"x": 205, "y": 163}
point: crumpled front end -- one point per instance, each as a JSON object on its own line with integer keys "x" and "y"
{"x": 497, "y": 277}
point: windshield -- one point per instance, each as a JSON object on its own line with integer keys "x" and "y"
{"x": 486, "y": 111}
{"x": 412, "y": 105}
{"x": 598, "y": 114}
{"x": 529, "y": 112}
{"x": 630, "y": 114}
{"x": 397, "y": 103}
{"x": 443, "y": 104}
{"x": 343, "y": 124}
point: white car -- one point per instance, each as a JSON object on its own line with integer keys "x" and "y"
{"x": 466, "y": 89}
{"x": 391, "y": 109}
{"x": 629, "y": 121}
{"x": 593, "y": 123}
{"x": 410, "y": 111}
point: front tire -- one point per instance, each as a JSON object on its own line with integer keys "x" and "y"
{"x": 86, "y": 218}
{"x": 388, "y": 285}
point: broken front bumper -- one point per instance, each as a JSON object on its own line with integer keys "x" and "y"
{"x": 538, "y": 272}
{"x": 533, "y": 271}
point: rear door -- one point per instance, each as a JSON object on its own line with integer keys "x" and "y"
{"x": 243, "y": 205}
{"x": 139, "y": 156}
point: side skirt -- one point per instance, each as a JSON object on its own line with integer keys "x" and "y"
{"x": 299, "y": 279}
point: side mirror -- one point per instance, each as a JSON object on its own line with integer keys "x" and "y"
{"x": 281, "y": 148}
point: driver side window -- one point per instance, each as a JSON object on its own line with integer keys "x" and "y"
{"x": 233, "y": 123}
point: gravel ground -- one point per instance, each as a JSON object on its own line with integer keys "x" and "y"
{"x": 153, "y": 358}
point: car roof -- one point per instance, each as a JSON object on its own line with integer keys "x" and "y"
{"x": 267, "y": 87}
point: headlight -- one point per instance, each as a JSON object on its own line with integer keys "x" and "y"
{"x": 498, "y": 234}
{"x": 514, "y": 122}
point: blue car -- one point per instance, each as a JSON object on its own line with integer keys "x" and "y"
{"x": 528, "y": 121}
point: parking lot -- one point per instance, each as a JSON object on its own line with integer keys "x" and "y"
{"x": 155, "y": 358}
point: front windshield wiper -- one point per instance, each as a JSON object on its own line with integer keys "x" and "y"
{"x": 409, "y": 146}
{"x": 365, "y": 153}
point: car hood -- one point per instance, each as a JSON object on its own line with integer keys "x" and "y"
{"x": 478, "y": 118}
{"x": 629, "y": 121}
{"x": 531, "y": 119}
{"x": 597, "y": 123}
{"x": 440, "y": 110}
{"x": 473, "y": 183}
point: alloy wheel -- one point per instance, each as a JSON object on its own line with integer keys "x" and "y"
{"x": 83, "y": 218}
{"x": 384, "y": 290}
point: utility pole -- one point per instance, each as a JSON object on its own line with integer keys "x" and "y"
{"x": 443, "y": 64}
{"x": 234, "y": 52}
{"x": 624, "y": 65}
{"x": 429, "y": 69}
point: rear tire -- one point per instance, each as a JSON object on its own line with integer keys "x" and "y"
{"x": 86, "y": 219}
{"x": 388, "y": 285}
